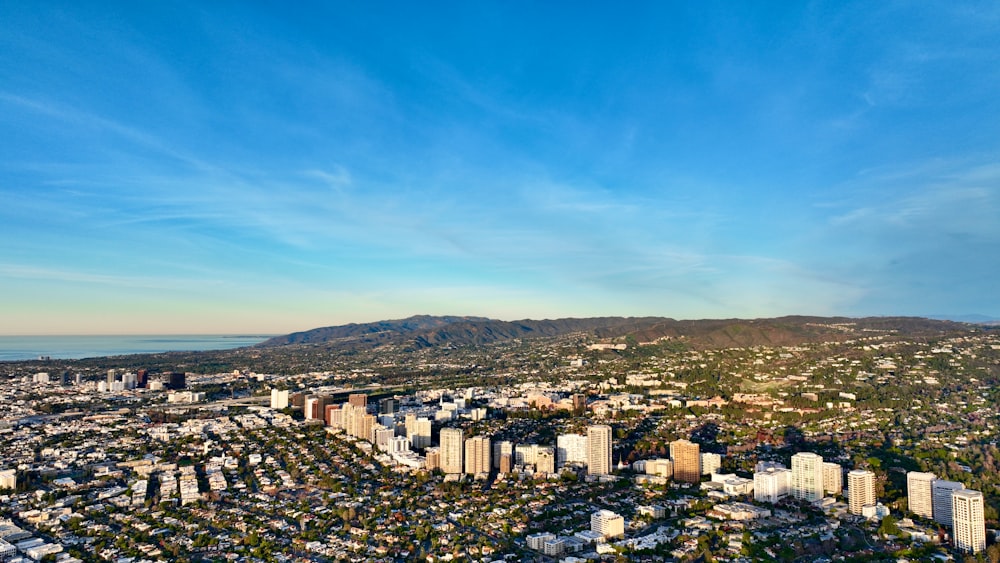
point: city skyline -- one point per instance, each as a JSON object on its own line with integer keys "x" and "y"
{"x": 198, "y": 169}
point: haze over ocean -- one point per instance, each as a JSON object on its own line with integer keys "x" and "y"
{"x": 17, "y": 348}
{"x": 178, "y": 167}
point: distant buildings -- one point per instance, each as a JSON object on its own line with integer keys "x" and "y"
{"x": 571, "y": 448}
{"x": 969, "y": 526}
{"x": 599, "y": 449}
{"x": 919, "y": 498}
{"x": 860, "y": 490}
{"x": 687, "y": 461}
{"x": 807, "y": 476}
{"x": 710, "y": 463}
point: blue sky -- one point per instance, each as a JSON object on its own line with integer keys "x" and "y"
{"x": 214, "y": 167}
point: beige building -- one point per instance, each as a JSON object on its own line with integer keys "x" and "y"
{"x": 477, "y": 455}
{"x": 599, "y": 449}
{"x": 860, "y": 490}
{"x": 919, "y": 498}
{"x": 833, "y": 478}
{"x": 686, "y": 457}
{"x": 452, "y": 444}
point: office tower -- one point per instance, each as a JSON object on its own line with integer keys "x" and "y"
{"x": 860, "y": 490}
{"x": 571, "y": 448}
{"x": 358, "y": 400}
{"x": 968, "y": 524}
{"x": 686, "y": 456}
{"x": 451, "y": 450}
{"x": 807, "y": 476}
{"x": 388, "y": 406}
{"x": 177, "y": 380}
{"x": 310, "y": 409}
{"x": 418, "y": 430}
{"x": 710, "y": 463}
{"x": 579, "y": 402}
{"x": 477, "y": 455}
{"x": 599, "y": 449}
{"x": 142, "y": 378}
{"x": 833, "y": 478}
{"x": 918, "y": 493}
{"x": 297, "y": 399}
{"x": 941, "y": 491}
{"x": 334, "y": 416}
{"x": 771, "y": 484}
{"x": 64, "y": 379}
{"x": 112, "y": 377}
{"x": 607, "y": 523}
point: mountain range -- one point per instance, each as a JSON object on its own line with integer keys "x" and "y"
{"x": 424, "y": 331}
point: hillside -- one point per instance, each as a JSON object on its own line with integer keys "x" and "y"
{"x": 425, "y": 331}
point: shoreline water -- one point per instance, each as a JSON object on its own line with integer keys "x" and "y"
{"x": 68, "y": 347}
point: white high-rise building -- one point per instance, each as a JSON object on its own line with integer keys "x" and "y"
{"x": 477, "y": 455}
{"x": 571, "y": 448}
{"x": 807, "y": 476}
{"x": 710, "y": 463}
{"x": 941, "y": 491}
{"x": 599, "y": 449}
{"x": 607, "y": 523}
{"x": 418, "y": 430}
{"x": 279, "y": 399}
{"x": 452, "y": 444}
{"x": 860, "y": 490}
{"x": 833, "y": 478}
{"x": 918, "y": 493}
{"x": 968, "y": 523}
{"x": 772, "y": 484}
{"x": 8, "y": 479}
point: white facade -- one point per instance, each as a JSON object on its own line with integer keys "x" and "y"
{"x": 607, "y": 523}
{"x": 279, "y": 399}
{"x": 571, "y": 448}
{"x": 918, "y": 493}
{"x": 969, "y": 526}
{"x": 807, "y": 476}
{"x": 771, "y": 485}
{"x": 941, "y": 491}
{"x": 8, "y": 479}
{"x": 710, "y": 463}
{"x": 477, "y": 455}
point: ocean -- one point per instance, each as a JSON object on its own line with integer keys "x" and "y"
{"x": 17, "y": 348}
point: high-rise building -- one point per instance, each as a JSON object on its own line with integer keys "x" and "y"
{"x": 142, "y": 377}
{"x": 571, "y": 448}
{"x": 506, "y": 463}
{"x": 607, "y": 523}
{"x": 452, "y": 443}
{"x": 599, "y": 449}
{"x": 918, "y": 493}
{"x": 941, "y": 491}
{"x": 358, "y": 400}
{"x": 686, "y": 456}
{"x": 545, "y": 460}
{"x": 807, "y": 476}
{"x": 8, "y": 479}
{"x": 710, "y": 463}
{"x": 771, "y": 484}
{"x": 388, "y": 405}
{"x": 477, "y": 454}
{"x": 968, "y": 523}
{"x": 499, "y": 449}
{"x": 177, "y": 380}
{"x": 112, "y": 377}
{"x": 833, "y": 478}
{"x": 860, "y": 490}
{"x": 433, "y": 458}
